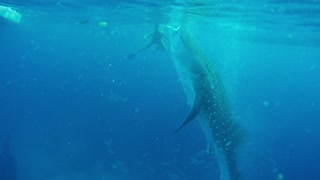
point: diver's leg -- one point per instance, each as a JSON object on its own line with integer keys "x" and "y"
{"x": 132, "y": 55}
{"x": 162, "y": 46}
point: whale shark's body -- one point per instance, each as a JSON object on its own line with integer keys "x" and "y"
{"x": 210, "y": 106}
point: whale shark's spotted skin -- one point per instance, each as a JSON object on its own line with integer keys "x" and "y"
{"x": 210, "y": 104}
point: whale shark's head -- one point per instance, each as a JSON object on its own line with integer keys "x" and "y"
{"x": 172, "y": 31}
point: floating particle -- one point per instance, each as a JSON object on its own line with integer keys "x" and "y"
{"x": 266, "y": 103}
{"x": 103, "y": 24}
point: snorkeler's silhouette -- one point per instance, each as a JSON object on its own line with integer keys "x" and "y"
{"x": 157, "y": 37}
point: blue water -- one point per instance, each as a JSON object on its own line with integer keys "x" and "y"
{"x": 73, "y": 106}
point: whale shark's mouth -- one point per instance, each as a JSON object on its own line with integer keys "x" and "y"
{"x": 169, "y": 28}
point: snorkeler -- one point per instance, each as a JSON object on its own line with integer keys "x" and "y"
{"x": 157, "y": 37}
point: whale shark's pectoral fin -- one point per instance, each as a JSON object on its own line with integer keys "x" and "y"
{"x": 193, "y": 113}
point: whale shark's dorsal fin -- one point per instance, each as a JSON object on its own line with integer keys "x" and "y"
{"x": 193, "y": 113}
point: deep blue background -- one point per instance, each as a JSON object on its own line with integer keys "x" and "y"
{"x": 72, "y": 103}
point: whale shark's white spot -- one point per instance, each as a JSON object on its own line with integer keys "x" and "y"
{"x": 228, "y": 143}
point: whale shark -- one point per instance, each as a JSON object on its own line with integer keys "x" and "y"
{"x": 205, "y": 92}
